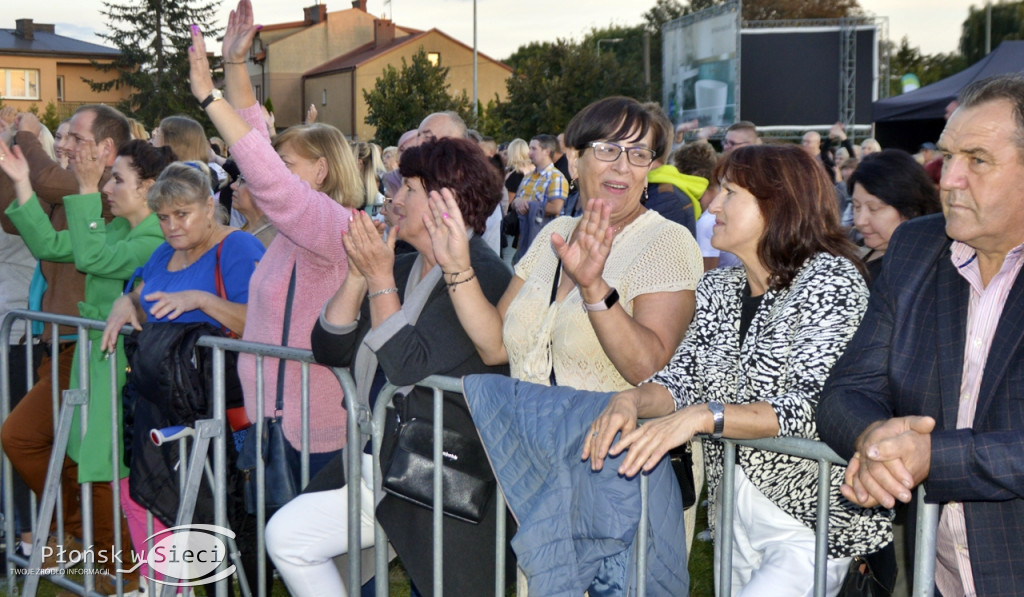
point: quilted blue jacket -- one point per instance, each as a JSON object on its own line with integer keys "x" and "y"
{"x": 576, "y": 526}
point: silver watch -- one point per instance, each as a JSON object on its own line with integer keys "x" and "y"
{"x": 718, "y": 413}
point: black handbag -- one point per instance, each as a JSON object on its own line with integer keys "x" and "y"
{"x": 280, "y": 462}
{"x": 467, "y": 483}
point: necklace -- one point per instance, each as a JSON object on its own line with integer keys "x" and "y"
{"x": 632, "y": 218}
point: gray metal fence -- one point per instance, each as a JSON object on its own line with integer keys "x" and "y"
{"x": 362, "y": 424}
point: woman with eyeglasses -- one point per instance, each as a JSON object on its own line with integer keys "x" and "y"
{"x": 598, "y": 302}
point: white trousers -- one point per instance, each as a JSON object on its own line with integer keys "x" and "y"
{"x": 772, "y": 552}
{"x": 306, "y": 534}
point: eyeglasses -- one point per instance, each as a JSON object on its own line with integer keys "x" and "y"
{"x": 609, "y": 152}
{"x": 731, "y": 143}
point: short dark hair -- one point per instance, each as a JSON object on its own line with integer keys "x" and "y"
{"x": 458, "y": 164}
{"x": 895, "y": 177}
{"x": 797, "y": 202}
{"x": 108, "y": 123}
{"x": 660, "y": 120}
{"x": 547, "y": 142}
{"x": 615, "y": 117}
{"x": 696, "y": 159}
{"x": 147, "y": 161}
{"x": 1002, "y": 87}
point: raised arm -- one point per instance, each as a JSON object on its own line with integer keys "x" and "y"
{"x": 639, "y": 344}
{"x": 481, "y": 320}
{"x": 49, "y": 180}
{"x": 229, "y": 124}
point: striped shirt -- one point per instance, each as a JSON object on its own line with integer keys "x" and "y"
{"x": 953, "y": 574}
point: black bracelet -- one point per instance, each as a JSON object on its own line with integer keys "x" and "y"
{"x": 453, "y": 283}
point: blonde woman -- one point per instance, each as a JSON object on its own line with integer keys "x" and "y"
{"x": 519, "y": 165}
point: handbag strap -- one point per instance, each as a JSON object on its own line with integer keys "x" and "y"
{"x": 279, "y": 406}
{"x": 218, "y": 280}
{"x": 554, "y": 293}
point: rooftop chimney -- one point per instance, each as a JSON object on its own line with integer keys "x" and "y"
{"x": 360, "y": 4}
{"x": 25, "y": 29}
{"x": 383, "y": 32}
{"x": 315, "y": 14}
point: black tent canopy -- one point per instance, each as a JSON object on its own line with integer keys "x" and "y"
{"x": 913, "y": 118}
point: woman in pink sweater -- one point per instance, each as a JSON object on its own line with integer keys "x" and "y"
{"x": 307, "y": 184}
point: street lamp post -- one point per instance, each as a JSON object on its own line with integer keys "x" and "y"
{"x": 610, "y": 40}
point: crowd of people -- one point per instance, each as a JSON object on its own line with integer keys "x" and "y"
{"x": 830, "y": 291}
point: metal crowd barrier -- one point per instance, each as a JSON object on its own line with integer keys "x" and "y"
{"x": 362, "y": 424}
{"x": 927, "y": 514}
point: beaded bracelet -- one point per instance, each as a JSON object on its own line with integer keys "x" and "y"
{"x": 453, "y": 283}
{"x": 455, "y": 275}
{"x": 380, "y": 292}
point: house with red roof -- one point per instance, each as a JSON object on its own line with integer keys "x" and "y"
{"x": 329, "y": 58}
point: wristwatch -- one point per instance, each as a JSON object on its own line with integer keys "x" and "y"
{"x": 718, "y": 413}
{"x": 609, "y": 299}
{"x": 214, "y": 96}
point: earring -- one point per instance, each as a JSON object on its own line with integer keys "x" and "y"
{"x": 643, "y": 198}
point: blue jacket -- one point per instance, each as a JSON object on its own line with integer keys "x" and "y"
{"x": 576, "y": 527}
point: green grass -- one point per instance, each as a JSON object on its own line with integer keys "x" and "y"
{"x": 702, "y": 557}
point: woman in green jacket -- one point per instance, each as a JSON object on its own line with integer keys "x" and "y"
{"x": 108, "y": 253}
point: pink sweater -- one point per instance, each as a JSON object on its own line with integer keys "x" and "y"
{"x": 309, "y": 225}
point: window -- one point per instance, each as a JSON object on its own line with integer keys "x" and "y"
{"x": 60, "y": 88}
{"x": 434, "y": 58}
{"x": 19, "y": 83}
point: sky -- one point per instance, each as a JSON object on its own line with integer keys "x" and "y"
{"x": 504, "y": 25}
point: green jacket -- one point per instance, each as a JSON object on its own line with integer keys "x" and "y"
{"x": 108, "y": 254}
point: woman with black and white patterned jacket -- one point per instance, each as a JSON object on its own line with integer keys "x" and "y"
{"x": 752, "y": 365}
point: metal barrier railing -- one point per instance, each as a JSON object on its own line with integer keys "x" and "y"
{"x": 363, "y": 424}
{"x": 927, "y": 514}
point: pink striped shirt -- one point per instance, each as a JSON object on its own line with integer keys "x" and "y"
{"x": 953, "y": 566}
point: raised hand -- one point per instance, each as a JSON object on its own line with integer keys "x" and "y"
{"x": 90, "y": 162}
{"x": 311, "y": 114}
{"x": 367, "y": 251}
{"x": 13, "y": 163}
{"x": 199, "y": 76}
{"x": 239, "y": 33}
{"x": 584, "y": 257}
{"x": 447, "y": 232}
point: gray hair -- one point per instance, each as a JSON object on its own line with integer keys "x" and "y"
{"x": 1009, "y": 88}
{"x": 181, "y": 183}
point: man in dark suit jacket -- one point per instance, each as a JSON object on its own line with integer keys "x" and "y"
{"x": 931, "y": 389}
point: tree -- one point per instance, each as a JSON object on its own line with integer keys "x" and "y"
{"x": 775, "y": 10}
{"x": 553, "y": 81}
{"x": 929, "y": 68}
{"x": 1007, "y": 24}
{"x": 153, "y": 37}
{"x": 400, "y": 99}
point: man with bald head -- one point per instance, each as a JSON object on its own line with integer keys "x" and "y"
{"x": 448, "y": 124}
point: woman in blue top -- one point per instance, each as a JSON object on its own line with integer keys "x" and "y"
{"x": 179, "y": 280}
